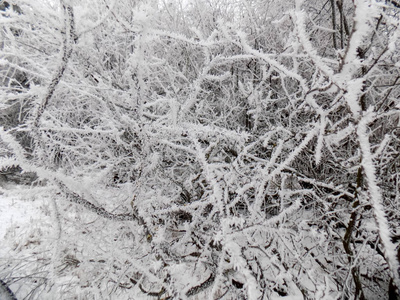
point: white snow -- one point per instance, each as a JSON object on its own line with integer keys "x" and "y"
{"x": 16, "y": 212}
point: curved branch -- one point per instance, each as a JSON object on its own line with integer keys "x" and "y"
{"x": 67, "y": 51}
{"x": 153, "y": 294}
{"x": 75, "y": 198}
{"x": 201, "y": 287}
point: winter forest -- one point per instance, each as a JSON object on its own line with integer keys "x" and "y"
{"x": 200, "y": 149}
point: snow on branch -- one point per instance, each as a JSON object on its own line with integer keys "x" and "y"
{"x": 375, "y": 197}
{"x": 67, "y": 48}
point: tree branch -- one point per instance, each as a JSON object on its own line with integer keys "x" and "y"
{"x": 67, "y": 51}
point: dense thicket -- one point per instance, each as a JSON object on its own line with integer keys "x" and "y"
{"x": 210, "y": 149}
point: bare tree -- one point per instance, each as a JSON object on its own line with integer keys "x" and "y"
{"x": 214, "y": 149}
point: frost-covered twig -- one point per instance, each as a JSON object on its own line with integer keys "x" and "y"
{"x": 375, "y": 197}
{"x": 51, "y": 176}
{"x": 74, "y": 197}
{"x": 201, "y": 287}
{"x": 66, "y": 54}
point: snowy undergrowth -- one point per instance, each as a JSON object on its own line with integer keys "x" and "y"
{"x": 26, "y": 229}
{"x": 243, "y": 151}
